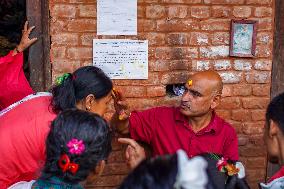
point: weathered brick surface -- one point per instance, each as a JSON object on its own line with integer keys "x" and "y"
{"x": 184, "y": 36}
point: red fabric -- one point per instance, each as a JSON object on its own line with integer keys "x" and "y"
{"x": 167, "y": 130}
{"x": 23, "y": 131}
{"x": 277, "y": 175}
{"x": 13, "y": 83}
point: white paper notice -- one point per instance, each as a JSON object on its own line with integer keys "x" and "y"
{"x": 121, "y": 58}
{"x": 117, "y": 17}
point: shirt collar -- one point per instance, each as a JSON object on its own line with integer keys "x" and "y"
{"x": 211, "y": 127}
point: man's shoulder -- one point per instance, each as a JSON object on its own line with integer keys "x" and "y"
{"x": 224, "y": 124}
{"x": 165, "y": 109}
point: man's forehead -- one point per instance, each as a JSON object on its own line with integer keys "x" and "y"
{"x": 200, "y": 85}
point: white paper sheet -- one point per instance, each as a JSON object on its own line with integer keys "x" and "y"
{"x": 117, "y": 17}
{"x": 121, "y": 58}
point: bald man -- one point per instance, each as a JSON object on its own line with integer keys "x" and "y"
{"x": 193, "y": 126}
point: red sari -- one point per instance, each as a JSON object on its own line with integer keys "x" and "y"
{"x": 13, "y": 83}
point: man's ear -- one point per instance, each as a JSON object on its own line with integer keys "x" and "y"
{"x": 215, "y": 101}
{"x": 273, "y": 128}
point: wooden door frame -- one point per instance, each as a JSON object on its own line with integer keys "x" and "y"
{"x": 37, "y": 12}
{"x": 277, "y": 82}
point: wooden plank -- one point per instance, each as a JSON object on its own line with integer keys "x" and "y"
{"x": 277, "y": 83}
{"x": 39, "y": 63}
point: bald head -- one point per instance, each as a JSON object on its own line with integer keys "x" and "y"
{"x": 209, "y": 81}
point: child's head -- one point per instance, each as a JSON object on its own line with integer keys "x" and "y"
{"x": 176, "y": 171}
{"x": 88, "y": 88}
{"x": 79, "y": 139}
{"x": 274, "y": 129}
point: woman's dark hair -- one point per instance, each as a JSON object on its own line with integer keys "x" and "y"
{"x": 82, "y": 125}
{"x": 160, "y": 173}
{"x": 84, "y": 81}
{"x": 275, "y": 111}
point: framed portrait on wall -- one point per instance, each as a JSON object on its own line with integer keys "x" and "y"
{"x": 243, "y": 38}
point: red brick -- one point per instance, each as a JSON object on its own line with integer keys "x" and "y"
{"x": 57, "y": 52}
{"x": 201, "y": 65}
{"x": 175, "y": 25}
{"x": 155, "y": 11}
{"x": 265, "y": 24}
{"x": 220, "y": 38}
{"x": 133, "y": 91}
{"x": 177, "y": 11}
{"x": 155, "y": 39}
{"x": 246, "y": 151}
{"x": 231, "y": 77}
{"x": 141, "y": 103}
{"x": 242, "y": 12}
{"x": 116, "y": 169}
{"x": 180, "y": 64}
{"x": 197, "y": 38}
{"x": 258, "y": 77}
{"x": 255, "y": 103}
{"x": 79, "y": 53}
{"x": 222, "y": 64}
{"x": 57, "y": 26}
{"x": 87, "y": 39}
{"x": 258, "y": 115}
{"x": 60, "y": 66}
{"x": 159, "y": 65}
{"x": 263, "y": 51}
{"x": 63, "y": 11}
{"x": 215, "y": 24}
{"x": 227, "y": 91}
{"x": 256, "y": 175}
{"x": 241, "y": 115}
{"x": 259, "y": 2}
{"x": 262, "y": 64}
{"x": 221, "y": 11}
{"x": 214, "y": 51}
{"x": 264, "y": 38}
{"x": 256, "y": 162}
{"x": 177, "y": 39}
{"x": 169, "y": 101}
{"x": 261, "y": 90}
{"x": 242, "y": 90}
{"x": 225, "y": 114}
{"x": 224, "y": 1}
{"x": 175, "y": 77}
{"x": 181, "y": 1}
{"x": 141, "y": 12}
{"x": 155, "y": 91}
{"x": 263, "y": 12}
{"x": 242, "y": 65}
{"x": 242, "y": 140}
{"x": 146, "y": 25}
{"x": 82, "y": 25}
{"x": 200, "y": 12}
{"x": 65, "y": 39}
{"x": 88, "y": 11}
{"x": 229, "y": 103}
{"x": 253, "y": 128}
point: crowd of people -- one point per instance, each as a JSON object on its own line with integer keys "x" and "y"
{"x": 58, "y": 139}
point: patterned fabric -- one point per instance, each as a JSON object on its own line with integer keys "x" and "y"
{"x": 54, "y": 183}
{"x": 275, "y": 184}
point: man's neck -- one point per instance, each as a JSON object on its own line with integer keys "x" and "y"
{"x": 198, "y": 123}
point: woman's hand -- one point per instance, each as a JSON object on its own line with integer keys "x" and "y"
{"x": 25, "y": 40}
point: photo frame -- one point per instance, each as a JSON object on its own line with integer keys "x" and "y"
{"x": 243, "y": 38}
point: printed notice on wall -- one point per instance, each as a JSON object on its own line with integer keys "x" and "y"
{"x": 117, "y": 17}
{"x": 121, "y": 58}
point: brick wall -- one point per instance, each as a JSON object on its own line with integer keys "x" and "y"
{"x": 184, "y": 36}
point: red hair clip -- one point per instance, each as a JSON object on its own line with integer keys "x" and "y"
{"x": 66, "y": 165}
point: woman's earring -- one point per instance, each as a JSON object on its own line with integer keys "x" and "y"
{"x": 88, "y": 108}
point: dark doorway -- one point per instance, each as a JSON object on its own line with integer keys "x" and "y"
{"x": 277, "y": 85}
{"x": 13, "y": 14}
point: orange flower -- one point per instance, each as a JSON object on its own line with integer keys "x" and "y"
{"x": 232, "y": 169}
